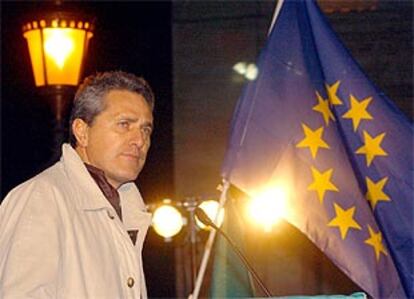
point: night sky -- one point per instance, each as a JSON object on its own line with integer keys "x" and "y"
{"x": 129, "y": 36}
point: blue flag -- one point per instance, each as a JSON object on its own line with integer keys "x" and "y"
{"x": 313, "y": 124}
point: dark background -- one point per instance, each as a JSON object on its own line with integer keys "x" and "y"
{"x": 129, "y": 36}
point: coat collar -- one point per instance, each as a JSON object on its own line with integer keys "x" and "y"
{"x": 133, "y": 208}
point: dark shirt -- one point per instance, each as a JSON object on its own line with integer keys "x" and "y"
{"x": 111, "y": 194}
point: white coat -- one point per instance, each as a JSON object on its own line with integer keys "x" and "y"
{"x": 61, "y": 238}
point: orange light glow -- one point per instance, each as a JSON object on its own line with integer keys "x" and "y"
{"x": 211, "y": 207}
{"x": 58, "y": 46}
{"x": 268, "y": 207}
{"x": 167, "y": 221}
{"x": 56, "y": 53}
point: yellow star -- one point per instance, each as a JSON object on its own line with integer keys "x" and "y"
{"x": 323, "y": 108}
{"x": 375, "y": 240}
{"x": 344, "y": 220}
{"x": 332, "y": 90}
{"x": 322, "y": 182}
{"x": 313, "y": 140}
{"x": 375, "y": 193}
{"x": 372, "y": 147}
{"x": 358, "y": 111}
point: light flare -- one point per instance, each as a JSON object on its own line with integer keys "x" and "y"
{"x": 59, "y": 46}
{"x": 268, "y": 207}
{"x": 211, "y": 207}
{"x": 167, "y": 221}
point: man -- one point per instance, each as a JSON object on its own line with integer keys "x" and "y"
{"x": 76, "y": 230}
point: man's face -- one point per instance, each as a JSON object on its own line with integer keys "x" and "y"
{"x": 118, "y": 139}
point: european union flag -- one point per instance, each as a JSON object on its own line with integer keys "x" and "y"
{"x": 313, "y": 123}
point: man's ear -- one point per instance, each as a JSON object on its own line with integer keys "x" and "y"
{"x": 80, "y": 130}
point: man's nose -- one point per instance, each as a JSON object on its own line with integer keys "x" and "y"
{"x": 138, "y": 138}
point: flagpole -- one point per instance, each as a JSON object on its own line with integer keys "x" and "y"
{"x": 209, "y": 245}
{"x": 275, "y": 14}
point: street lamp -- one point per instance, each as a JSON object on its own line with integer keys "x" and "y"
{"x": 167, "y": 221}
{"x": 169, "y": 217}
{"x": 58, "y": 43}
{"x": 247, "y": 70}
{"x": 210, "y": 207}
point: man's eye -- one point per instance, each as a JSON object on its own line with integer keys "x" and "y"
{"x": 147, "y": 130}
{"x": 123, "y": 124}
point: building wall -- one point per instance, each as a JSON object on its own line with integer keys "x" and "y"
{"x": 208, "y": 39}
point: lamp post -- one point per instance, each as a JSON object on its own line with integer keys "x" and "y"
{"x": 168, "y": 219}
{"x": 57, "y": 44}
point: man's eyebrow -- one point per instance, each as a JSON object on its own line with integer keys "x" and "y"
{"x": 135, "y": 119}
{"x": 126, "y": 117}
{"x": 149, "y": 124}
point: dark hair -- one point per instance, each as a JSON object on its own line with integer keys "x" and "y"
{"x": 89, "y": 98}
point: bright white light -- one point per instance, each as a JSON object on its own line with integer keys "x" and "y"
{"x": 251, "y": 72}
{"x": 210, "y": 207}
{"x": 268, "y": 207}
{"x": 59, "y": 46}
{"x": 167, "y": 221}
{"x": 240, "y": 67}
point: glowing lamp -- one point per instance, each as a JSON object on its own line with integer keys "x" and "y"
{"x": 248, "y": 70}
{"x": 268, "y": 207}
{"x": 167, "y": 220}
{"x": 211, "y": 208}
{"x": 57, "y": 46}
{"x": 240, "y": 67}
{"x": 251, "y": 72}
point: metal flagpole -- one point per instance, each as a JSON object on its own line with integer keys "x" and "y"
{"x": 275, "y": 14}
{"x": 209, "y": 245}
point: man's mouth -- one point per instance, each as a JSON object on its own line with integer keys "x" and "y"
{"x": 130, "y": 155}
{"x": 133, "y": 156}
